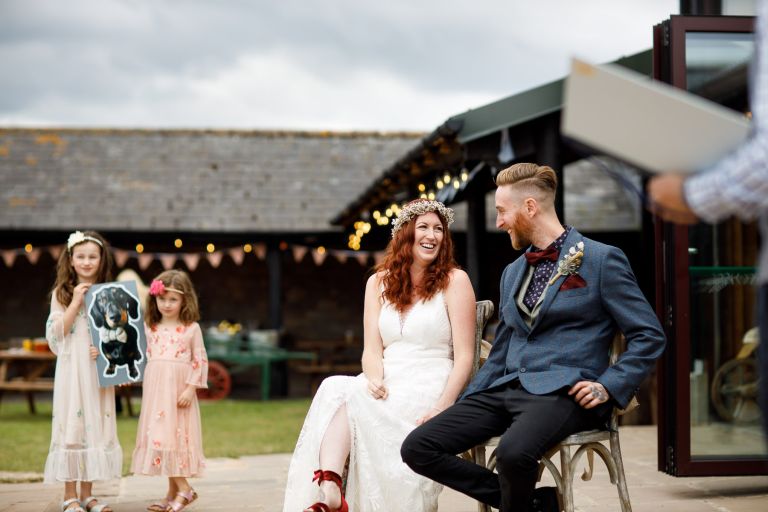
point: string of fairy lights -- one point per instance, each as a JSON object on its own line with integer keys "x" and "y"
{"x": 384, "y": 217}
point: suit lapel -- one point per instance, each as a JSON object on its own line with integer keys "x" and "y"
{"x": 510, "y": 307}
{"x": 551, "y": 291}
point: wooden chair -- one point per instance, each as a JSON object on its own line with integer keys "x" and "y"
{"x": 589, "y": 442}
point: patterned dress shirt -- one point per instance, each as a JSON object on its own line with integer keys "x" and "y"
{"x": 543, "y": 272}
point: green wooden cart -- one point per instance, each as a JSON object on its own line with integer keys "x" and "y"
{"x": 230, "y": 354}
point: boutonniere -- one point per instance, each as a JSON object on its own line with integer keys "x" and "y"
{"x": 570, "y": 263}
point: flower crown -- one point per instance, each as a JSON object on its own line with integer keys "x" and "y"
{"x": 420, "y": 207}
{"x": 158, "y": 288}
{"x": 79, "y": 237}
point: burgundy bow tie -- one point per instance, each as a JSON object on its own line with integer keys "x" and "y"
{"x": 549, "y": 254}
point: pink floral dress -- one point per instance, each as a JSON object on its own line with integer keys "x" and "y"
{"x": 169, "y": 439}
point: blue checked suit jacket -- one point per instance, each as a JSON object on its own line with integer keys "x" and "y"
{"x": 570, "y": 338}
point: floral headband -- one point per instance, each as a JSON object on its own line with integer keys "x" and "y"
{"x": 79, "y": 237}
{"x": 420, "y": 207}
{"x": 158, "y": 288}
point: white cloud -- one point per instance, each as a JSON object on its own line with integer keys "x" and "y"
{"x": 293, "y": 64}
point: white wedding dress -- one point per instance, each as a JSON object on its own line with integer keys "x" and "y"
{"x": 418, "y": 357}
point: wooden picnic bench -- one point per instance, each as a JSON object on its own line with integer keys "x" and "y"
{"x": 30, "y": 368}
{"x": 334, "y": 357}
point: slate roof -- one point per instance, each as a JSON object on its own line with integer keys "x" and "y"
{"x": 187, "y": 180}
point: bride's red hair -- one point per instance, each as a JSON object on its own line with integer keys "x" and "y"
{"x": 396, "y": 266}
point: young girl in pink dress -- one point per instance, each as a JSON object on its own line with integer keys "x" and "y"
{"x": 84, "y": 443}
{"x": 169, "y": 440}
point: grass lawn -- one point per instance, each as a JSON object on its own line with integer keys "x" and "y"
{"x": 230, "y": 428}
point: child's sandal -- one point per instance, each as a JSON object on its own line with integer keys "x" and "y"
{"x": 189, "y": 497}
{"x": 66, "y": 503}
{"x": 96, "y": 507}
{"x": 161, "y": 505}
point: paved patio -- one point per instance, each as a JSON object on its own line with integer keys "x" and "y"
{"x": 256, "y": 484}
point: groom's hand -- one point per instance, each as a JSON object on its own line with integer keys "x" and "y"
{"x": 434, "y": 411}
{"x": 377, "y": 390}
{"x": 589, "y": 394}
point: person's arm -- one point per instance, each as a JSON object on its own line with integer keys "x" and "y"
{"x": 60, "y": 321}
{"x": 635, "y": 318}
{"x": 373, "y": 346}
{"x": 198, "y": 378}
{"x": 738, "y": 183}
{"x": 460, "y": 300}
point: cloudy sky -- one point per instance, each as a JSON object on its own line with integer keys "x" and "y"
{"x": 295, "y": 64}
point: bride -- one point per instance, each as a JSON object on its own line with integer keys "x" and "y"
{"x": 419, "y": 325}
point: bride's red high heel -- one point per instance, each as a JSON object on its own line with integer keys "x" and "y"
{"x": 322, "y": 476}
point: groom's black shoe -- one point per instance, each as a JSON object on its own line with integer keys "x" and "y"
{"x": 544, "y": 499}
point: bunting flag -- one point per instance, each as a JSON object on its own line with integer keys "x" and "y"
{"x": 55, "y": 251}
{"x": 237, "y": 255}
{"x": 191, "y": 260}
{"x": 319, "y": 256}
{"x": 121, "y": 257}
{"x": 9, "y": 257}
{"x": 214, "y": 258}
{"x": 145, "y": 260}
{"x": 168, "y": 260}
{"x": 260, "y": 250}
{"x": 33, "y": 255}
{"x": 298, "y": 252}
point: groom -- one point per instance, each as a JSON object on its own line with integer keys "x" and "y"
{"x": 547, "y": 375}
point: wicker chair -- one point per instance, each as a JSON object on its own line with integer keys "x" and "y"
{"x": 588, "y": 441}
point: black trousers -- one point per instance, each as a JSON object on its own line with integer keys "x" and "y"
{"x": 528, "y": 425}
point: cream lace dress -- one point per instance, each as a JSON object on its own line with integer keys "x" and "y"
{"x": 84, "y": 443}
{"x": 417, "y": 361}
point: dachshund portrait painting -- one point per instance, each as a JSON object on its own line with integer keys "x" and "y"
{"x": 117, "y": 330}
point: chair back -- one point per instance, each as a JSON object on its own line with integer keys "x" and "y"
{"x": 483, "y": 312}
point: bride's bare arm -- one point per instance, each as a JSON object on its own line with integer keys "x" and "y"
{"x": 373, "y": 347}
{"x": 460, "y": 299}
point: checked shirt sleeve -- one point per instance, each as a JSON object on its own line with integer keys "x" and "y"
{"x": 738, "y": 184}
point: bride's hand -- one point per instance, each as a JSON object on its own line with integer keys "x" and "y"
{"x": 377, "y": 390}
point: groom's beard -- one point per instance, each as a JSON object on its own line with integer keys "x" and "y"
{"x": 522, "y": 232}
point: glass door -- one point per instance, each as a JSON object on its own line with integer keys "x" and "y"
{"x": 709, "y": 422}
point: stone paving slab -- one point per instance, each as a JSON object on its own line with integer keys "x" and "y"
{"x": 256, "y": 484}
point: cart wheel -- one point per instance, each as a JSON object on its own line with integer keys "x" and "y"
{"x": 734, "y": 391}
{"x": 219, "y": 382}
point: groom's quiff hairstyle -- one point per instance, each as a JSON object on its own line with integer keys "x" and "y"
{"x": 530, "y": 178}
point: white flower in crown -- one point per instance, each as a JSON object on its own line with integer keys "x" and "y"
{"x": 570, "y": 263}
{"x": 419, "y": 207}
{"x": 75, "y": 238}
